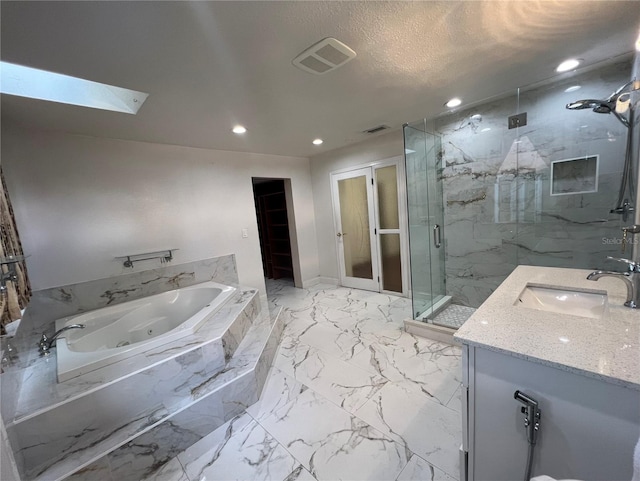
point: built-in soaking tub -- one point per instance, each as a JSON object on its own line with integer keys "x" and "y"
{"x": 121, "y": 331}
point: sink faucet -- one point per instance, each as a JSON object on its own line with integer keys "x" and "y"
{"x": 631, "y": 278}
{"x": 46, "y": 343}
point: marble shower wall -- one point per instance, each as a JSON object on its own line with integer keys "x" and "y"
{"x": 499, "y": 211}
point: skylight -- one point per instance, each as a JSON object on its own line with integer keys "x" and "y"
{"x": 42, "y": 85}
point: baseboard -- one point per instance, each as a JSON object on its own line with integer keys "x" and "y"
{"x": 320, "y": 280}
{"x": 430, "y": 331}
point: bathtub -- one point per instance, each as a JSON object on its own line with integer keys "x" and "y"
{"x": 117, "y": 332}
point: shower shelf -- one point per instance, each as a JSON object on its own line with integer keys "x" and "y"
{"x": 165, "y": 255}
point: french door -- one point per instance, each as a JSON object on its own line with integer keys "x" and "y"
{"x": 370, "y": 239}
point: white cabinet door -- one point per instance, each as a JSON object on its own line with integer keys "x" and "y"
{"x": 588, "y": 427}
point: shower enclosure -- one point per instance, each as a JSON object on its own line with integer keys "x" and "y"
{"x": 426, "y": 219}
{"x": 486, "y": 194}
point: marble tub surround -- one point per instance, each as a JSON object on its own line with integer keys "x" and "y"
{"x": 152, "y": 454}
{"x": 216, "y": 340}
{"x": 47, "y": 305}
{"x": 56, "y": 428}
{"x": 605, "y": 349}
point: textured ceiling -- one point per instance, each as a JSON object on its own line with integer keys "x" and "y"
{"x": 209, "y": 65}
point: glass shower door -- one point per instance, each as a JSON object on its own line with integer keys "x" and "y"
{"x": 426, "y": 219}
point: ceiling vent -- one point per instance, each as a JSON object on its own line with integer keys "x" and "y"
{"x": 375, "y": 129}
{"x": 324, "y": 56}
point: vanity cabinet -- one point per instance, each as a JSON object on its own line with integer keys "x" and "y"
{"x": 589, "y": 427}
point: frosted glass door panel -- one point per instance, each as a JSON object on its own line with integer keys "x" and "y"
{"x": 391, "y": 262}
{"x": 354, "y": 216}
{"x": 389, "y": 235}
{"x": 387, "y": 184}
{"x": 356, "y": 243}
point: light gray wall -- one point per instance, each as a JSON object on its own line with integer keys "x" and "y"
{"x": 79, "y": 201}
{"x": 371, "y": 150}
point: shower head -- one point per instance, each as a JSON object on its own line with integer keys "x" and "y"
{"x": 599, "y": 106}
{"x": 606, "y": 106}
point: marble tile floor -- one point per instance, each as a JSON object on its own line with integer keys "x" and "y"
{"x": 350, "y": 396}
{"x": 454, "y": 316}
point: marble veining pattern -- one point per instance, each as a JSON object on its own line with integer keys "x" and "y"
{"x": 40, "y": 390}
{"x": 48, "y": 305}
{"x": 349, "y": 396}
{"x": 238, "y": 386}
{"x": 140, "y": 401}
{"x": 239, "y": 450}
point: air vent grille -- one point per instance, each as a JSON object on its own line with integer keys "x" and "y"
{"x": 326, "y": 55}
{"x": 375, "y": 129}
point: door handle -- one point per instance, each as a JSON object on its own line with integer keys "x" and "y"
{"x": 340, "y": 234}
{"x": 437, "y": 241}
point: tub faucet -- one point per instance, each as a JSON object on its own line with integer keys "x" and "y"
{"x": 46, "y": 343}
{"x": 631, "y": 278}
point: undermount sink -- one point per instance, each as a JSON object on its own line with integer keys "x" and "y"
{"x": 563, "y": 301}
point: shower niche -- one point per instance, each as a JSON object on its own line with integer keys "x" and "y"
{"x": 574, "y": 176}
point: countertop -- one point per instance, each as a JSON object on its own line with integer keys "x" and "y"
{"x": 606, "y": 348}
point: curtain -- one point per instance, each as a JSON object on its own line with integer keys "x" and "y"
{"x": 17, "y": 294}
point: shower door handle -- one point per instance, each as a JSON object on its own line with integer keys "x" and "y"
{"x": 436, "y": 236}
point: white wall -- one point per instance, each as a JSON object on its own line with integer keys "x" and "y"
{"x": 371, "y": 150}
{"x": 79, "y": 201}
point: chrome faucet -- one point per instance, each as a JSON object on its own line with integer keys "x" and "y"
{"x": 631, "y": 278}
{"x": 46, "y": 343}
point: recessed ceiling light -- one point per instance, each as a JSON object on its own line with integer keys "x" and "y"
{"x": 454, "y": 102}
{"x": 39, "y": 84}
{"x": 573, "y": 88}
{"x": 317, "y": 141}
{"x": 568, "y": 65}
{"x": 239, "y": 129}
